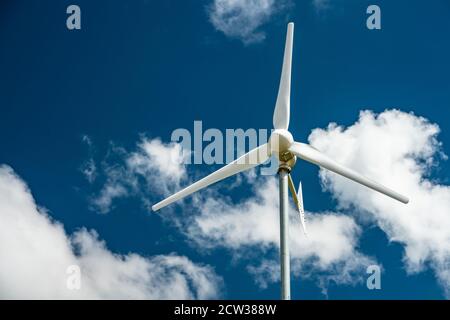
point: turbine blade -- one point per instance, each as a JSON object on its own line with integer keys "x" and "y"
{"x": 310, "y": 154}
{"x": 249, "y": 160}
{"x": 298, "y": 200}
{"x": 302, "y": 207}
{"x": 282, "y": 106}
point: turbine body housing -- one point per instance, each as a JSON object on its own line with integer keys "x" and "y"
{"x": 280, "y": 141}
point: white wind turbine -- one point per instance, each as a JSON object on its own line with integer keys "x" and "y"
{"x": 282, "y": 145}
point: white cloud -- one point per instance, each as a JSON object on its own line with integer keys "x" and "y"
{"x": 35, "y": 253}
{"x": 154, "y": 165}
{"x": 113, "y": 189}
{"x": 242, "y": 19}
{"x": 155, "y": 159}
{"x": 399, "y": 150}
{"x": 89, "y": 168}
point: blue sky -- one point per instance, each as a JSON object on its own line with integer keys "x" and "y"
{"x": 138, "y": 70}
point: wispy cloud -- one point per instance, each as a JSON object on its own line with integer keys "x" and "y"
{"x": 321, "y": 5}
{"x": 154, "y": 166}
{"x": 89, "y": 168}
{"x": 400, "y": 150}
{"x": 35, "y": 253}
{"x": 242, "y": 19}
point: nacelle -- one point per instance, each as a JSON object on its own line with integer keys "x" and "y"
{"x": 280, "y": 141}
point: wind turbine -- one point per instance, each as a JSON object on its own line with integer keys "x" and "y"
{"x": 286, "y": 149}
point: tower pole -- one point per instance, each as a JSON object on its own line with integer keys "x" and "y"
{"x": 283, "y": 172}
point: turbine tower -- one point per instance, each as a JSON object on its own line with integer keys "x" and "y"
{"x": 282, "y": 145}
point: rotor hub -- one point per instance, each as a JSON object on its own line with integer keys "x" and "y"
{"x": 280, "y": 141}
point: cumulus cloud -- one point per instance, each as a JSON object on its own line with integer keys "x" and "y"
{"x": 400, "y": 150}
{"x": 242, "y": 19}
{"x": 36, "y": 252}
